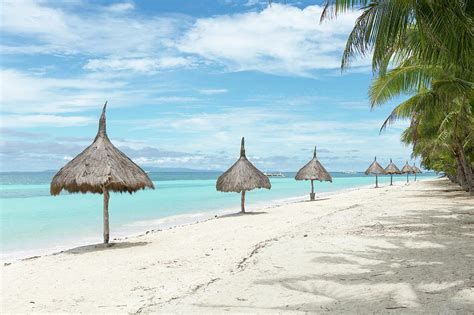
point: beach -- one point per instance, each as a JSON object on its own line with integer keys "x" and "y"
{"x": 406, "y": 248}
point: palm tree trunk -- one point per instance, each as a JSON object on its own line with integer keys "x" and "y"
{"x": 242, "y": 202}
{"x": 466, "y": 168}
{"x": 312, "y": 195}
{"x": 106, "y": 215}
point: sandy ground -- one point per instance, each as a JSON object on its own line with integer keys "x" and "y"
{"x": 401, "y": 249}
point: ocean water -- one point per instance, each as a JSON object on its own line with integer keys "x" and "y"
{"x": 33, "y": 222}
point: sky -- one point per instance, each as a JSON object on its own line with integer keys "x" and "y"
{"x": 184, "y": 81}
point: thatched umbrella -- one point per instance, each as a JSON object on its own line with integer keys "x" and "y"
{"x": 241, "y": 177}
{"x": 416, "y": 170}
{"x": 312, "y": 171}
{"x": 375, "y": 169}
{"x": 392, "y": 169}
{"x": 407, "y": 170}
{"x": 99, "y": 169}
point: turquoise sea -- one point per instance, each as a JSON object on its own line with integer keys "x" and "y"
{"x": 33, "y": 222}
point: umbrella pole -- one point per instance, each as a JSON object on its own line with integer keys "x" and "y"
{"x": 376, "y": 181}
{"x": 407, "y": 178}
{"x": 415, "y": 177}
{"x": 391, "y": 178}
{"x": 106, "y": 215}
{"x": 242, "y": 202}
{"x": 312, "y": 195}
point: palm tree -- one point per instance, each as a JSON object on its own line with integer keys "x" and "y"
{"x": 436, "y": 32}
{"x": 443, "y": 101}
{"x": 422, "y": 48}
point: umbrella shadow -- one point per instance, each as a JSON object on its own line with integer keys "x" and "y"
{"x": 102, "y": 247}
{"x": 239, "y": 214}
{"x": 317, "y": 199}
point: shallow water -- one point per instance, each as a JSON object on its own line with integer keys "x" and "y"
{"x": 32, "y": 221}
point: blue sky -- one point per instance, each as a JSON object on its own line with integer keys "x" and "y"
{"x": 185, "y": 80}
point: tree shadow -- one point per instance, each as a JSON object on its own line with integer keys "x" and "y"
{"x": 419, "y": 262}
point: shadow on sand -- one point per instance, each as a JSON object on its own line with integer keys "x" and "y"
{"x": 240, "y": 214}
{"x": 418, "y": 262}
{"x": 102, "y": 247}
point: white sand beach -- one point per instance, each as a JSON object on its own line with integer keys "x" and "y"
{"x": 406, "y": 248}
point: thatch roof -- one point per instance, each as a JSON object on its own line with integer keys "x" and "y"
{"x": 375, "y": 168}
{"x": 242, "y": 176}
{"x": 100, "y": 165}
{"x": 407, "y": 169}
{"x": 392, "y": 168}
{"x": 313, "y": 170}
{"x": 416, "y": 169}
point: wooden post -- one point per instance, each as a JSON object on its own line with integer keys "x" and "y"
{"x": 242, "y": 202}
{"x": 376, "y": 181}
{"x": 106, "y": 215}
{"x": 415, "y": 176}
{"x": 407, "y": 178}
{"x": 312, "y": 194}
{"x": 391, "y": 178}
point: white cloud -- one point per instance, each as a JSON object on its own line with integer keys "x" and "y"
{"x": 24, "y": 93}
{"x": 101, "y": 32}
{"x": 279, "y": 132}
{"x": 280, "y": 39}
{"x": 121, "y": 7}
{"x": 251, "y": 3}
{"x": 29, "y": 121}
{"x": 27, "y": 94}
{"x": 137, "y": 64}
{"x": 213, "y": 91}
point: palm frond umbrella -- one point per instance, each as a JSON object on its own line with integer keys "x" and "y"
{"x": 312, "y": 171}
{"x": 416, "y": 170}
{"x": 99, "y": 169}
{"x": 376, "y": 169}
{"x": 407, "y": 170}
{"x": 241, "y": 177}
{"x": 392, "y": 169}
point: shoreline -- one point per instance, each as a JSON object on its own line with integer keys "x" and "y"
{"x": 174, "y": 221}
{"x": 408, "y": 247}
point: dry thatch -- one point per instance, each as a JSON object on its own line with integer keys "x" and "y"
{"x": 375, "y": 168}
{"x": 241, "y": 177}
{"x": 313, "y": 170}
{"x": 392, "y": 169}
{"x": 407, "y": 169}
{"x": 415, "y": 169}
{"x": 101, "y": 168}
{"x": 100, "y": 165}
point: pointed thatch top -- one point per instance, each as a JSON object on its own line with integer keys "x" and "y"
{"x": 375, "y": 168}
{"x": 416, "y": 169}
{"x": 392, "y": 168}
{"x": 100, "y": 165}
{"x": 407, "y": 169}
{"x": 313, "y": 170}
{"x": 242, "y": 176}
